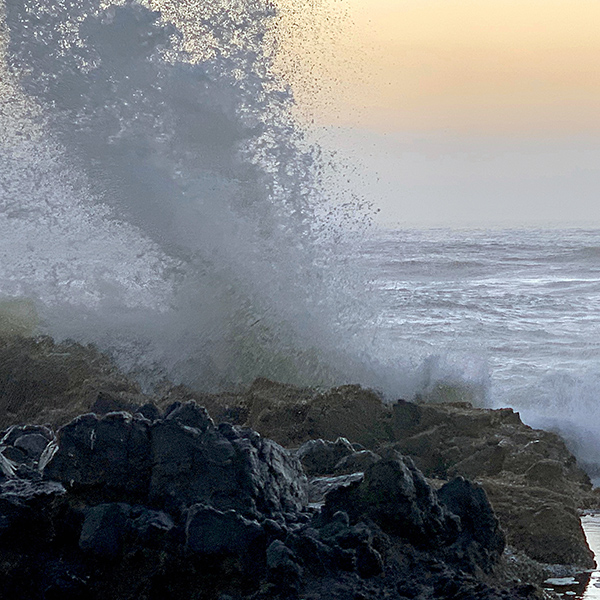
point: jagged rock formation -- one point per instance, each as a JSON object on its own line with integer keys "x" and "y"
{"x": 123, "y": 507}
{"x": 533, "y": 482}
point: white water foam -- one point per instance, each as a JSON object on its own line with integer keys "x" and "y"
{"x": 158, "y": 198}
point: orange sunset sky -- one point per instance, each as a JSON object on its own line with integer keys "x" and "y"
{"x": 474, "y": 112}
{"x": 498, "y": 66}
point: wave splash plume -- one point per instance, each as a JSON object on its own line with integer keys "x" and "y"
{"x": 157, "y": 197}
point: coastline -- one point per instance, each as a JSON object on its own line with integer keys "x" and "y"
{"x": 64, "y": 404}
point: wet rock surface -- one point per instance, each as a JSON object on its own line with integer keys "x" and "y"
{"x": 532, "y": 480}
{"x": 142, "y": 496}
{"x": 515, "y": 464}
{"x": 182, "y": 508}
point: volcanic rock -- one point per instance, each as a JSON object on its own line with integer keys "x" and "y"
{"x": 397, "y": 498}
{"x": 319, "y": 457}
{"x": 130, "y": 483}
{"x": 480, "y": 533}
{"x": 105, "y": 458}
{"x": 26, "y": 512}
{"x": 176, "y": 462}
{"x": 211, "y": 531}
{"x": 220, "y": 511}
{"x": 225, "y": 467}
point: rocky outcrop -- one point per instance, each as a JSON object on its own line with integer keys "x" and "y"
{"x": 176, "y": 462}
{"x": 540, "y": 523}
{"x": 515, "y": 464}
{"x": 152, "y": 451}
{"x": 292, "y": 415}
{"x": 123, "y": 507}
{"x": 533, "y": 482}
{"x": 449, "y": 439}
{"x": 43, "y": 382}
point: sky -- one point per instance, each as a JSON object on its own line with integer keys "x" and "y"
{"x": 460, "y": 112}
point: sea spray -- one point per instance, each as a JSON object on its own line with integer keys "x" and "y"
{"x": 159, "y": 199}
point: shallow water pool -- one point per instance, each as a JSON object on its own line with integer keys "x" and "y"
{"x": 585, "y": 586}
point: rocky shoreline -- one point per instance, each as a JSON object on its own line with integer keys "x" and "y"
{"x": 273, "y": 492}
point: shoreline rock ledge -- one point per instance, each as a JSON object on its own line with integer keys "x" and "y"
{"x": 532, "y": 480}
{"x": 121, "y": 506}
{"x": 273, "y": 492}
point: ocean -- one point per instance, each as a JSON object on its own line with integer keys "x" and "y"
{"x": 159, "y": 198}
{"x": 513, "y": 314}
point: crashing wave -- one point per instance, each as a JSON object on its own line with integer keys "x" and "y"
{"x": 158, "y": 198}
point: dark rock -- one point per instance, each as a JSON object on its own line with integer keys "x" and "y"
{"x": 320, "y": 457}
{"x": 103, "y": 530}
{"x": 230, "y": 469}
{"x": 274, "y": 530}
{"x": 283, "y": 568}
{"x": 395, "y": 495}
{"x": 338, "y": 522}
{"x": 178, "y": 461}
{"x": 319, "y": 487}
{"x": 314, "y": 555}
{"x": 107, "y": 457}
{"x": 445, "y": 440}
{"x": 210, "y": 531}
{"x": 12, "y": 434}
{"x": 350, "y": 537}
{"x": 480, "y": 534}
{"x": 175, "y": 507}
{"x": 358, "y": 461}
{"x": 149, "y": 411}
{"x": 512, "y": 462}
{"x": 33, "y": 444}
{"x": 149, "y": 526}
{"x": 110, "y": 401}
{"x": 24, "y": 471}
{"x": 65, "y": 585}
{"x": 189, "y": 414}
{"x": 14, "y": 455}
{"x": 107, "y": 528}
{"x": 368, "y": 562}
{"x": 191, "y": 466}
{"x": 26, "y": 511}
